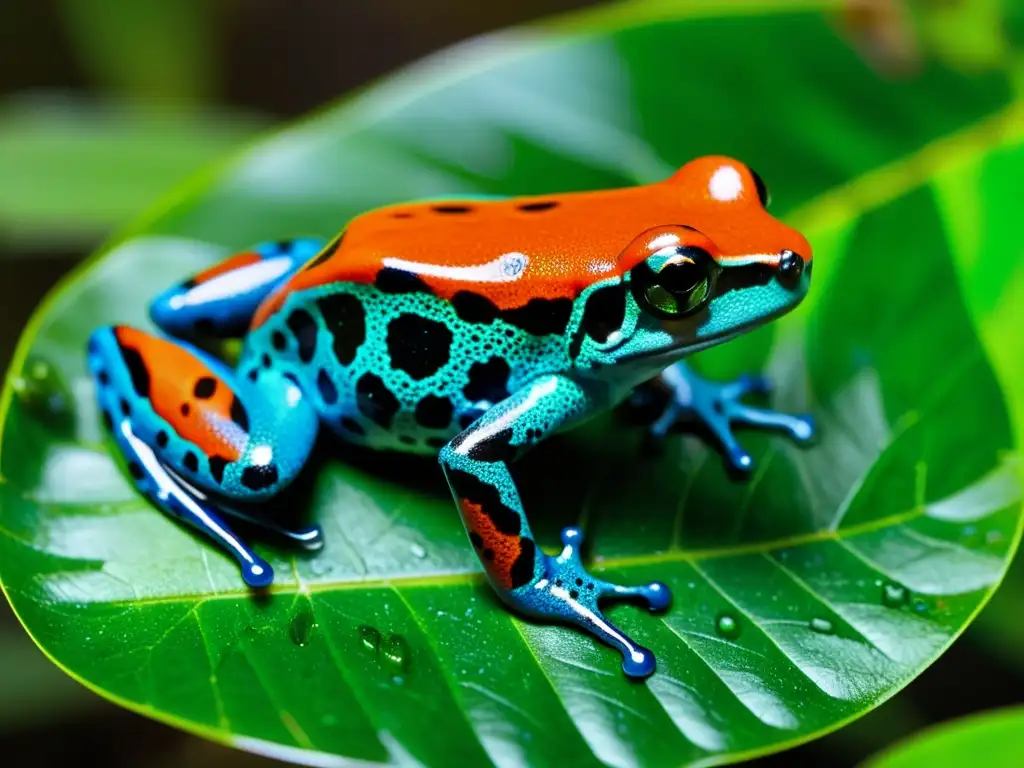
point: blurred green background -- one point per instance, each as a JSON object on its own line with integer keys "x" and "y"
{"x": 107, "y": 104}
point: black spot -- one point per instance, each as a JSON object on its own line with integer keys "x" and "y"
{"x": 103, "y": 377}
{"x": 204, "y": 388}
{"x": 162, "y": 439}
{"x": 471, "y": 488}
{"x": 540, "y": 316}
{"x": 186, "y": 409}
{"x": 204, "y": 326}
{"x": 303, "y": 327}
{"x": 418, "y": 346}
{"x": 392, "y": 280}
{"x": 345, "y": 319}
{"x": 125, "y": 408}
{"x": 605, "y": 312}
{"x": 488, "y": 381}
{"x": 574, "y": 594}
{"x": 136, "y": 470}
{"x": 328, "y": 391}
{"x": 266, "y": 361}
{"x": 137, "y": 370}
{"x": 474, "y": 537}
{"x": 493, "y": 447}
{"x": 545, "y": 205}
{"x": 434, "y": 412}
{"x": 351, "y": 425}
{"x": 238, "y": 414}
{"x": 191, "y": 461}
{"x": 474, "y": 308}
{"x": 253, "y": 374}
{"x": 257, "y": 478}
{"x": 278, "y": 340}
{"x": 375, "y": 400}
{"x": 522, "y": 569}
{"x": 325, "y": 254}
{"x": 217, "y": 465}
{"x": 452, "y": 209}
{"x": 579, "y": 582}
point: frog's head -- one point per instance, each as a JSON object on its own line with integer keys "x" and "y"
{"x": 724, "y": 268}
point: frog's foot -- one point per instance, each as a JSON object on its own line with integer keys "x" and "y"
{"x": 718, "y": 407}
{"x": 569, "y": 593}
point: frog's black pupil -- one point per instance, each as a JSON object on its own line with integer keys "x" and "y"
{"x": 680, "y": 277}
{"x": 762, "y": 190}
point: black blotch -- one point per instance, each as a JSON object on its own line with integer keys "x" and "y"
{"x": 375, "y": 401}
{"x": 328, "y": 391}
{"x": 162, "y": 439}
{"x": 345, "y": 319}
{"x": 486, "y": 496}
{"x": 186, "y": 409}
{"x": 325, "y": 254}
{"x": 204, "y": 388}
{"x": 574, "y": 594}
{"x": 278, "y": 340}
{"x": 488, "y": 381}
{"x": 257, "y": 478}
{"x": 253, "y": 374}
{"x": 392, "y": 280}
{"x": 540, "y": 317}
{"x": 204, "y": 326}
{"x": 474, "y": 308}
{"x": 137, "y": 370}
{"x": 605, "y": 312}
{"x": 136, "y": 470}
{"x": 418, "y": 346}
{"x": 266, "y": 361}
{"x": 351, "y": 425}
{"x": 103, "y": 377}
{"x": 217, "y": 465}
{"x": 126, "y": 409}
{"x": 434, "y": 412}
{"x": 496, "y": 447}
{"x": 475, "y": 539}
{"x": 303, "y": 327}
{"x": 522, "y": 569}
{"x": 239, "y": 415}
{"x": 451, "y": 209}
{"x": 747, "y": 276}
{"x": 546, "y": 205}
{"x": 191, "y": 462}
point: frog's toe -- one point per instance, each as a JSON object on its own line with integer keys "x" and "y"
{"x": 572, "y": 594}
{"x": 800, "y": 427}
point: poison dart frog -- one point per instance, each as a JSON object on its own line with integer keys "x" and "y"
{"x": 469, "y": 328}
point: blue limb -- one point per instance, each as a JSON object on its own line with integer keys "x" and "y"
{"x": 718, "y": 407}
{"x": 220, "y": 301}
{"x": 555, "y": 588}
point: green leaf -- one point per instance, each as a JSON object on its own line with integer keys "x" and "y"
{"x": 998, "y": 735}
{"x": 72, "y": 170}
{"x": 802, "y": 599}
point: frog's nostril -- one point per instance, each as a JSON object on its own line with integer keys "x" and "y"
{"x": 791, "y": 267}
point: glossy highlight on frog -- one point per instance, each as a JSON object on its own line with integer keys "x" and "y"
{"x": 472, "y": 329}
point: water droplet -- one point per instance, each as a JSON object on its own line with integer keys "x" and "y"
{"x": 727, "y": 626}
{"x": 41, "y": 390}
{"x": 396, "y": 652}
{"x": 822, "y": 626}
{"x": 417, "y": 551}
{"x": 893, "y": 595}
{"x": 302, "y": 624}
{"x": 920, "y": 606}
{"x": 370, "y": 638}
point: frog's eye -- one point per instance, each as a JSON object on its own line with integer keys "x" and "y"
{"x": 762, "y": 189}
{"x": 675, "y": 282}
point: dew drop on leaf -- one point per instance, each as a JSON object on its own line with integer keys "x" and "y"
{"x": 370, "y": 638}
{"x": 302, "y": 624}
{"x": 821, "y": 626}
{"x": 893, "y": 595}
{"x": 42, "y": 391}
{"x": 727, "y": 626}
{"x": 396, "y": 652}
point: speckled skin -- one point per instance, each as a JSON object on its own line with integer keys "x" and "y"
{"x": 501, "y": 323}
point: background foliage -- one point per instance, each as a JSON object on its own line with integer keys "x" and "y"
{"x": 970, "y": 150}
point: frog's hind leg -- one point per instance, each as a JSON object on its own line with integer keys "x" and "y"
{"x": 219, "y": 302}
{"x": 197, "y": 439}
{"x": 553, "y": 588}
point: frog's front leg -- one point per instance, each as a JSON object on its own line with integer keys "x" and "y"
{"x": 719, "y": 407}
{"x": 555, "y": 588}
